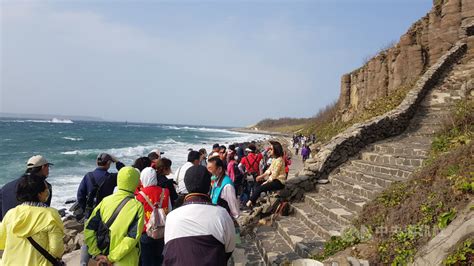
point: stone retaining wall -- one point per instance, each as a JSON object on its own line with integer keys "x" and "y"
{"x": 352, "y": 140}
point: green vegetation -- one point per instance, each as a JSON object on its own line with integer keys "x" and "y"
{"x": 326, "y": 124}
{"x": 409, "y": 214}
{"x": 349, "y": 237}
{"x": 463, "y": 255}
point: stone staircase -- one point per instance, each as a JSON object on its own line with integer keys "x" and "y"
{"x": 329, "y": 209}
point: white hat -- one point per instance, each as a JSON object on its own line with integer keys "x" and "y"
{"x": 37, "y": 161}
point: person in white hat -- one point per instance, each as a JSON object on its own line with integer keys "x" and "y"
{"x": 36, "y": 166}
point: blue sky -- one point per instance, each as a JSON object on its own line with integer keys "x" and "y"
{"x": 228, "y": 63}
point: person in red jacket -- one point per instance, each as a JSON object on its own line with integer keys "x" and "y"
{"x": 151, "y": 249}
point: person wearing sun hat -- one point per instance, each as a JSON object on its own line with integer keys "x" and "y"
{"x": 36, "y": 166}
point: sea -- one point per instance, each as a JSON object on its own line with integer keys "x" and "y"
{"x": 72, "y": 146}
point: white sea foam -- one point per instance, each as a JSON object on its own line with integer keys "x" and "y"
{"x": 54, "y": 121}
{"x": 175, "y": 150}
{"x": 73, "y": 139}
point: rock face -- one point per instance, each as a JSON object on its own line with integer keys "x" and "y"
{"x": 417, "y": 50}
{"x": 73, "y": 234}
{"x": 357, "y": 170}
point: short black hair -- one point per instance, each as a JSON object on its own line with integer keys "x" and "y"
{"x": 232, "y": 147}
{"x": 222, "y": 147}
{"x": 142, "y": 163}
{"x": 29, "y": 187}
{"x": 215, "y": 146}
{"x": 153, "y": 156}
{"x": 33, "y": 170}
{"x": 277, "y": 149}
{"x": 217, "y": 161}
{"x": 197, "y": 179}
{"x": 193, "y": 156}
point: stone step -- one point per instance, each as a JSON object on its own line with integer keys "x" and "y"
{"x": 343, "y": 197}
{"x": 390, "y": 148}
{"x": 330, "y": 208}
{"x": 317, "y": 221}
{"x": 369, "y": 177}
{"x": 304, "y": 241}
{"x": 246, "y": 254}
{"x": 393, "y": 159}
{"x": 273, "y": 248}
{"x": 354, "y": 186}
{"x": 394, "y": 170}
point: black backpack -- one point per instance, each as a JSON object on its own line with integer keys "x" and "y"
{"x": 103, "y": 230}
{"x": 92, "y": 198}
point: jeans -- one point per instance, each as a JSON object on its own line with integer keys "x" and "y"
{"x": 151, "y": 252}
{"x": 85, "y": 257}
{"x": 270, "y": 186}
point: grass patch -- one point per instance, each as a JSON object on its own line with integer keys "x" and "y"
{"x": 463, "y": 255}
{"x": 409, "y": 214}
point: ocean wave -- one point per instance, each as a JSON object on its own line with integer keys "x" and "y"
{"x": 73, "y": 139}
{"x": 54, "y": 121}
{"x": 203, "y": 129}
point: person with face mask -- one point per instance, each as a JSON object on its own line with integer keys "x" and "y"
{"x": 31, "y": 222}
{"x": 223, "y": 190}
{"x": 37, "y": 166}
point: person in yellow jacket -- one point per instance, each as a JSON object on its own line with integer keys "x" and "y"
{"x": 127, "y": 228}
{"x": 32, "y": 218}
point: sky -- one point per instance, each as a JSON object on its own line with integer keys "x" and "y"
{"x": 221, "y": 63}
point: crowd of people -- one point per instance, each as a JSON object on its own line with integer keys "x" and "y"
{"x": 302, "y": 142}
{"x": 139, "y": 216}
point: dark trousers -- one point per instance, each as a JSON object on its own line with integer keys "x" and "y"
{"x": 151, "y": 252}
{"x": 270, "y": 186}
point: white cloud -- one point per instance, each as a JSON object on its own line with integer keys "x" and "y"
{"x": 75, "y": 62}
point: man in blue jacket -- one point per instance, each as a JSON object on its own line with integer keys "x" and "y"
{"x": 95, "y": 186}
{"x": 36, "y": 166}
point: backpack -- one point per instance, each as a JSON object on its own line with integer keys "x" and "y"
{"x": 250, "y": 176}
{"x": 155, "y": 227}
{"x": 238, "y": 175}
{"x": 93, "y": 196}
{"x": 103, "y": 229}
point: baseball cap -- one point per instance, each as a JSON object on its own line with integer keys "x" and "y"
{"x": 36, "y": 161}
{"x": 104, "y": 157}
{"x": 157, "y": 151}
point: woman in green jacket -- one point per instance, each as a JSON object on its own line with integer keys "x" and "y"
{"x": 127, "y": 228}
{"x": 33, "y": 218}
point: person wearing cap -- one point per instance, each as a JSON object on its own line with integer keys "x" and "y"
{"x": 126, "y": 230}
{"x": 223, "y": 190}
{"x": 106, "y": 183}
{"x": 198, "y": 233}
{"x": 37, "y": 166}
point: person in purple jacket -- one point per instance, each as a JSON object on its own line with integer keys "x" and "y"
{"x": 305, "y": 152}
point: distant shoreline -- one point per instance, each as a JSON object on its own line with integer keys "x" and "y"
{"x": 256, "y": 131}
